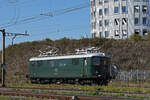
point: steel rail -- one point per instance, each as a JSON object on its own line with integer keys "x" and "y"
{"x": 79, "y": 90}
{"x": 61, "y": 97}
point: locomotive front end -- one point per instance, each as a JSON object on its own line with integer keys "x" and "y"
{"x": 102, "y": 69}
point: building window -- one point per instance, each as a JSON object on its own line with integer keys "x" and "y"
{"x": 116, "y": 10}
{"x": 94, "y": 25}
{"x": 124, "y": 32}
{"x": 100, "y": 23}
{"x": 137, "y": 0}
{"x": 137, "y": 31}
{"x": 94, "y": 35}
{"x": 136, "y": 9}
{"x": 106, "y": 11}
{"x": 116, "y": 21}
{"x": 144, "y": 21}
{"x": 106, "y": 22}
{"x": 93, "y": 3}
{"x": 124, "y": 9}
{"x": 100, "y": 34}
{"x": 105, "y": 1}
{"x": 136, "y": 21}
{"x": 116, "y": 32}
{"x": 124, "y": 21}
{"x": 145, "y": 33}
{"x": 100, "y": 2}
{"x": 144, "y": 9}
{"x": 106, "y": 34}
{"x": 91, "y": 15}
{"x": 100, "y": 12}
{"x": 94, "y": 13}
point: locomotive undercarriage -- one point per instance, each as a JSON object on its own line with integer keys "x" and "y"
{"x": 81, "y": 81}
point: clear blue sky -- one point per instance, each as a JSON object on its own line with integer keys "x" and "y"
{"x": 75, "y": 24}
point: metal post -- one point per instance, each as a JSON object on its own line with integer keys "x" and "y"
{"x": 3, "y": 58}
{"x": 3, "y": 65}
{"x": 12, "y": 42}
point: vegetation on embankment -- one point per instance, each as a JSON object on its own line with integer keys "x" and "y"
{"x": 127, "y": 54}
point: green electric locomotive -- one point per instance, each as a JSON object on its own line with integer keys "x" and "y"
{"x": 87, "y": 68}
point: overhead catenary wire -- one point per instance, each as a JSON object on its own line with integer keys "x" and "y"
{"x": 67, "y": 10}
{"x": 17, "y": 2}
{"x": 57, "y": 31}
{"x": 16, "y": 15}
{"x": 40, "y": 16}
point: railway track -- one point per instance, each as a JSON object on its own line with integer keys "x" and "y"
{"x": 60, "y": 97}
{"x": 50, "y": 93}
{"x": 78, "y": 90}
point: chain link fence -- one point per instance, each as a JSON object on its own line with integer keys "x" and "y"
{"x": 133, "y": 78}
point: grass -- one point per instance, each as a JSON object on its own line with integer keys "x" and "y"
{"x": 85, "y": 87}
{"x": 17, "y": 98}
{"x": 107, "y": 94}
{"x": 130, "y": 83}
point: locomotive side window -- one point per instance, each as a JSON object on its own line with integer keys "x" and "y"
{"x": 62, "y": 63}
{"x": 75, "y": 61}
{"x": 39, "y": 63}
{"x": 96, "y": 61}
{"x": 32, "y": 63}
{"x": 51, "y": 63}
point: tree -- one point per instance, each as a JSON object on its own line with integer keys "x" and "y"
{"x": 148, "y": 37}
{"x": 136, "y": 37}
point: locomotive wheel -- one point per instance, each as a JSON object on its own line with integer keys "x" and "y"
{"x": 81, "y": 82}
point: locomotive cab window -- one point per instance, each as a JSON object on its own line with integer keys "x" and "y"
{"x": 105, "y": 61}
{"x": 96, "y": 61}
{"x": 100, "y": 61}
{"x": 75, "y": 61}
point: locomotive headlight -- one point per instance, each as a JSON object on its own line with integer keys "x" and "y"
{"x": 96, "y": 72}
{"x": 99, "y": 75}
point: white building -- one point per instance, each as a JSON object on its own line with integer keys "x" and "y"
{"x": 119, "y": 19}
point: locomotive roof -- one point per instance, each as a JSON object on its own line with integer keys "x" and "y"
{"x": 69, "y": 56}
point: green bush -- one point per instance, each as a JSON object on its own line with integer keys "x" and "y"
{"x": 148, "y": 37}
{"x": 136, "y": 37}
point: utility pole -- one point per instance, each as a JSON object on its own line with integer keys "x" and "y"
{"x": 3, "y": 57}
{"x": 3, "y": 65}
